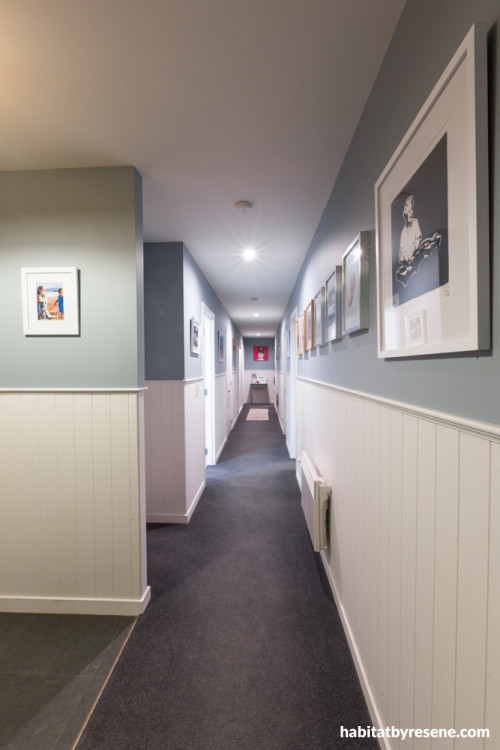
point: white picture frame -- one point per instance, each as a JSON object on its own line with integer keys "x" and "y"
{"x": 50, "y": 301}
{"x": 432, "y": 222}
{"x": 355, "y": 285}
{"x": 333, "y": 305}
{"x": 319, "y": 317}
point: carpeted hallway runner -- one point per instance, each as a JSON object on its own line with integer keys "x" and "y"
{"x": 241, "y": 647}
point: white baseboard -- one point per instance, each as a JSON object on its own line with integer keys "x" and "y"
{"x": 220, "y": 450}
{"x": 195, "y": 501}
{"x": 182, "y": 518}
{"x": 75, "y": 606}
{"x": 370, "y": 700}
{"x": 167, "y": 518}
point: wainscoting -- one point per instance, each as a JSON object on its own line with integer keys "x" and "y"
{"x": 414, "y": 555}
{"x": 72, "y": 525}
{"x": 280, "y": 398}
{"x": 175, "y": 449}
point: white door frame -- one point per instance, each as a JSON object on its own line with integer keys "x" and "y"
{"x": 208, "y": 367}
{"x": 291, "y": 416}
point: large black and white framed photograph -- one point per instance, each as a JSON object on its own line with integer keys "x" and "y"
{"x": 50, "y": 301}
{"x": 333, "y": 304}
{"x": 432, "y": 220}
{"x": 355, "y": 285}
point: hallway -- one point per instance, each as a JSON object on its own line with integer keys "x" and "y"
{"x": 241, "y": 647}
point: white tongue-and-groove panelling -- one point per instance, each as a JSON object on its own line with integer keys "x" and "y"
{"x": 72, "y": 516}
{"x": 414, "y": 556}
{"x": 175, "y": 449}
{"x": 175, "y": 442}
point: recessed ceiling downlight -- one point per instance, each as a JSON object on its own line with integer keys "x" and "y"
{"x": 249, "y": 254}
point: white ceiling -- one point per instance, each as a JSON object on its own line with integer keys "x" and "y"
{"x": 213, "y": 101}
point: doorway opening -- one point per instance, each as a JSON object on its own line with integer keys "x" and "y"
{"x": 208, "y": 353}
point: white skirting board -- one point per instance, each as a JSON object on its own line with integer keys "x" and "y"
{"x": 177, "y": 517}
{"x": 69, "y": 606}
{"x": 414, "y": 553}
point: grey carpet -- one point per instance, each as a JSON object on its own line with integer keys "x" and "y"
{"x": 241, "y": 647}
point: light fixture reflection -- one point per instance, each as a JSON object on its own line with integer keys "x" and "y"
{"x": 249, "y": 254}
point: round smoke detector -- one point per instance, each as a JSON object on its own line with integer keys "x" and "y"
{"x": 243, "y": 206}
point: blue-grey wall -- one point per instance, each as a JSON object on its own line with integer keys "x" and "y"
{"x": 198, "y": 290}
{"x": 174, "y": 290}
{"x": 258, "y": 365}
{"x": 90, "y": 219}
{"x": 164, "y": 310}
{"x": 425, "y": 40}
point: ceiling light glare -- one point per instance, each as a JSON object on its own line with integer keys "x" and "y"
{"x": 249, "y": 254}
{"x": 256, "y": 315}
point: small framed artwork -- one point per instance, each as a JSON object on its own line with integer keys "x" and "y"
{"x": 355, "y": 282}
{"x": 319, "y": 317}
{"x": 333, "y": 304}
{"x": 195, "y": 336}
{"x": 260, "y": 353}
{"x": 50, "y": 301}
{"x": 234, "y": 352}
{"x": 300, "y": 334}
{"x": 309, "y": 318}
{"x": 220, "y": 343}
{"x": 415, "y": 328}
{"x": 432, "y": 219}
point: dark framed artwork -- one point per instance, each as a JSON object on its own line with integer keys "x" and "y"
{"x": 194, "y": 336}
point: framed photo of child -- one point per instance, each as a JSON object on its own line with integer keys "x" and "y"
{"x": 50, "y": 301}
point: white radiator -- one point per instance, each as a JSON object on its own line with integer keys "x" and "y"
{"x": 315, "y": 496}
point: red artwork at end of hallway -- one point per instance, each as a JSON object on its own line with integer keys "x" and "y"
{"x": 260, "y": 353}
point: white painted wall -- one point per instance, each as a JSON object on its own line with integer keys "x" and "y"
{"x": 221, "y": 423}
{"x": 72, "y": 526}
{"x": 414, "y": 556}
{"x": 280, "y": 378}
{"x": 175, "y": 449}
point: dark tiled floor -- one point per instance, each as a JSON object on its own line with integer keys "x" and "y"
{"x": 52, "y": 669}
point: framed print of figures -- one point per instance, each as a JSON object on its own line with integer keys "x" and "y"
{"x": 333, "y": 304}
{"x": 432, "y": 220}
{"x": 220, "y": 342}
{"x": 319, "y": 316}
{"x": 195, "y": 336}
{"x": 300, "y": 334}
{"x": 309, "y": 335}
{"x": 50, "y": 301}
{"x": 355, "y": 278}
